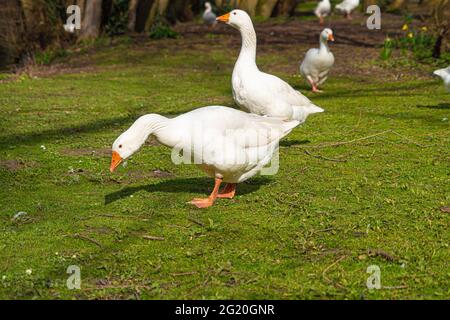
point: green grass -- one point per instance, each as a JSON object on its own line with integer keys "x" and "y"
{"x": 308, "y": 232}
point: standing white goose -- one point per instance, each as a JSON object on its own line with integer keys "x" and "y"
{"x": 229, "y": 145}
{"x": 445, "y": 75}
{"x": 318, "y": 62}
{"x": 259, "y": 92}
{"x": 322, "y": 10}
{"x": 347, "y": 6}
{"x": 209, "y": 17}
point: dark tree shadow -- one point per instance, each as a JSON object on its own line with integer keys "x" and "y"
{"x": 395, "y": 89}
{"x": 93, "y": 126}
{"x": 441, "y": 106}
{"x": 194, "y": 185}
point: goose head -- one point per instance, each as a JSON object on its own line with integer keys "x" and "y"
{"x": 442, "y": 72}
{"x": 208, "y": 6}
{"x": 326, "y": 35}
{"x": 237, "y": 19}
{"x": 129, "y": 142}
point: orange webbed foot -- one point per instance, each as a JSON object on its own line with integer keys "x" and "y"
{"x": 208, "y": 202}
{"x": 228, "y": 192}
{"x": 202, "y": 203}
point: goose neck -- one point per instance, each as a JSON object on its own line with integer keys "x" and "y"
{"x": 151, "y": 124}
{"x": 323, "y": 46}
{"x": 248, "y": 48}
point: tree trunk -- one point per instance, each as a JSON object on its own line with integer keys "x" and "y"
{"x": 179, "y": 10}
{"x": 132, "y": 6}
{"x": 162, "y": 6}
{"x": 286, "y": 7}
{"x": 90, "y": 27}
{"x": 12, "y": 33}
{"x": 152, "y": 15}
{"x": 265, "y": 8}
{"x": 249, "y": 6}
{"x": 142, "y": 14}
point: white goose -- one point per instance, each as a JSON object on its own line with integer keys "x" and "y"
{"x": 445, "y": 75}
{"x": 318, "y": 62}
{"x": 259, "y": 92}
{"x": 209, "y": 17}
{"x": 322, "y": 10}
{"x": 228, "y": 144}
{"x": 347, "y": 6}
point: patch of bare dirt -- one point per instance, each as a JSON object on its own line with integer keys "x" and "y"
{"x": 15, "y": 165}
{"x": 136, "y": 175}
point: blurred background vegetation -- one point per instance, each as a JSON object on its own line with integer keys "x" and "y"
{"x": 31, "y": 31}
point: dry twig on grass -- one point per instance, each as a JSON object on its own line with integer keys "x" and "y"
{"x": 328, "y": 268}
{"x": 83, "y": 237}
{"x": 153, "y": 238}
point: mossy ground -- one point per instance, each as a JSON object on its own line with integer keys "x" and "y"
{"x": 309, "y": 232}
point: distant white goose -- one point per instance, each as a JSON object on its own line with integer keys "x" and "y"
{"x": 445, "y": 75}
{"x": 209, "y": 17}
{"x": 322, "y": 10}
{"x": 318, "y": 62}
{"x": 229, "y": 145}
{"x": 259, "y": 92}
{"x": 347, "y": 6}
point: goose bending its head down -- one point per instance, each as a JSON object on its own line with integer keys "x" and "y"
{"x": 347, "y": 6}
{"x": 318, "y": 62}
{"x": 445, "y": 75}
{"x": 209, "y": 17}
{"x": 259, "y": 92}
{"x": 230, "y": 145}
{"x": 322, "y": 10}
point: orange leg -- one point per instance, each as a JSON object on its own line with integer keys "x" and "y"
{"x": 207, "y": 202}
{"x": 321, "y": 20}
{"x": 228, "y": 192}
{"x": 313, "y": 86}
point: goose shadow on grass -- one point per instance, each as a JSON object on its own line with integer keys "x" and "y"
{"x": 192, "y": 185}
{"x": 441, "y": 106}
{"x": 288, "y": 143}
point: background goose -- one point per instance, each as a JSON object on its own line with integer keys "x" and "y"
{"x": 318, "y": 62}
{"x": 445, "y": 75}
{"x": 347, "y": 6}
{"x": 228, "y": 144}
{"x": 322, "y": 10}
{"x": 209, "y": 17}
{"x": 259, "y": 92}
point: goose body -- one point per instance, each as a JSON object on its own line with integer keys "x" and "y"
{"x": 229, "y": 145}
{"x": 323, "y": 9}
{"x": 445, "y": 76}
{"x": 258, "y": 92}
{"x": 209, "y": 17}
{"x": 347, "y": 6}
{"x": 318, "y": 62}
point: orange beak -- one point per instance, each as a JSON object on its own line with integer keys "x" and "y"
{"x": 225, "y": 18}
{"x": 330, "y": 37}
{"x": 116, "y": 159}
